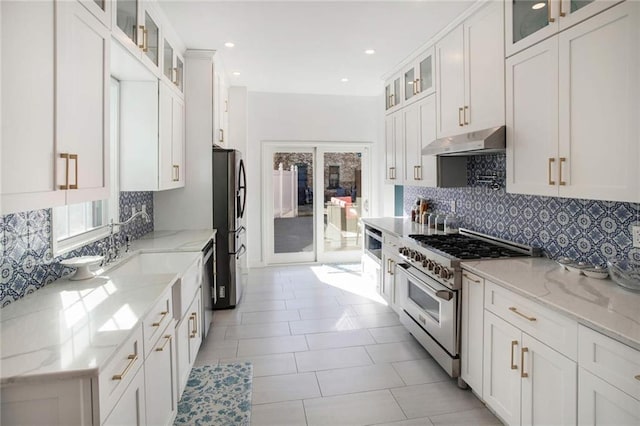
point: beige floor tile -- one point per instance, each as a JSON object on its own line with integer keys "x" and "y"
{"x": 326, "y": 312}
{"x": 226, "y": 317}
{"x": 212, "y": 349}
{"x": 257, "y": 330}
{"x": 307, "y": 293}
{"x": 434, "y": 399}
{"x": 311, "y": 302}
{"x": 420, "y": 371}
{"x": 267, "y": 305}
{"x": 377, "y": 320}
{"x": 477, "y": 416}
{"x": 328, "y": 359}
{"x": 354, "y": 409}
{"x": 424, "y": 421}
{"x": 203, "y": 360}
{"x": 323, "y": 325}
{"x": 372, "y": 308}
{"x": 397, "y": 333}
{"x": 269, "y": 316}
{"x": 290, "y": 413}
{"x": 254, "y": 297}
{"x": 358, "y": 379}
{"x": 271, "y": 345}
{"x": 357, "y": 299}
{"x": 269, "y": 365}
{"x": 286, "y": 387}
{"x": 397, "y": 351}
{"x": 339, "y": 339}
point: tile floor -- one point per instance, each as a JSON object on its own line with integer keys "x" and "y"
{"x": 326, "y": 350}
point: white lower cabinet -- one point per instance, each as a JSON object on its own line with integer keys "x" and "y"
{"x": 472, "y": 329}
{"x": 188, "y": 340}
{"x": 600, "y": 403}
{"x": 130, "y": 409}
{"x": 160, "y": 379}
{"x": 525, "y": 381}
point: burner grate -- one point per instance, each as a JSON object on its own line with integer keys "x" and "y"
{"x": 465, "y": 247}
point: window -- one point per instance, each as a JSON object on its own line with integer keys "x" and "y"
{"x": 76, "y": 225}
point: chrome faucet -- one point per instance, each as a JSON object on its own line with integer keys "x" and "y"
{"x": 111, "y": 251}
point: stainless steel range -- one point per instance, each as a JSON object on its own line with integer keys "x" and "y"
{"x": 429, "y": 285}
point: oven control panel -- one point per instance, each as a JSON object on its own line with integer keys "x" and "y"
{"x": 431, "y": 266}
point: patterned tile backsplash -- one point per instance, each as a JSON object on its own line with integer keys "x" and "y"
{"x": 584, "y": 230}
{"x": 27, "y": 262}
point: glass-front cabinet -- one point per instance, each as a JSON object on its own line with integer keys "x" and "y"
{"x": 418, "y": 79}
{"x": 392, "y": 93}
{"x": 101, "y": 9}
{"x": 127, "y": 12}
{"x": 531, "y": 21}
{"x": 173, "y": 66}
{"x": 151, "y": 39}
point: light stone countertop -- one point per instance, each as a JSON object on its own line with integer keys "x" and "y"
{"x": 73, "y": 328}
{"x": 598, "y": 304}
{"x": 398, "y": 226}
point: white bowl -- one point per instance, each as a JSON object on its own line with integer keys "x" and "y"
{"x": 82, "y": 265}
{"x": 578, "y": 267}
{"x": 596, "y": 272}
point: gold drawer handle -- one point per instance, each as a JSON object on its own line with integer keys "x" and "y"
{"x": 161, "y": 348}
{"x": 514, "y": 343}
{"x": 422, "y": 320}
{"x": 515, "y": 311}
{"x": 522, "y": 372}
{"x": 549, "y": 12}
{"x": 460, "y": 123}
{"x": 132, "y": 359}
{"x": 560, "y": 181}
{"x": 157, "y": 324}
{"x": 176, "y": 173}
{"x": 466, "y": 121}
{"x": 68, "y": 157}
{"x": 194, "y": 317}
{"x": 551, "y": 161}
{"x": 471, "y": 279}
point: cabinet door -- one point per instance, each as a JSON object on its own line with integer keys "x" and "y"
{"x": 424, "y": 76}
{"x": 127, "y": 17}
{"x": 484, "y": 69}
{"x": 166, "y": 169}
{"x": 82, "y": 103}
{"x": 599, "y": 103}
{"x": 600, "y": 403}
{"x": 412, "y": 165}
{"x": 549, "y": 385}
{"x": 450, "y": 83}
{"x": 472, "y": 319}
{"x": 427, "y": 164}
{"x": 387, "y": 287}
{"x": 410, "y": 83}
{"x": 532, "y": 120}
{"x": 575, "y": 11}
{"x": 391, "y": 171}
{"x": 130, "y": 409}
{"x": 101, "y": 9}
{"x": 501, "y": 372}
{"x": 28, "y": 97}
{"x": 182, "y": 353}
{"x": 195, "y": 334}
{"x": 160, "y": 379}
{"x": 177, "y": 142}
{"x": 150, "y": 33}
{"x": 528, "y": 23}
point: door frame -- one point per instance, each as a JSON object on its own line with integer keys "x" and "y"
{"x": 317, "y": 148}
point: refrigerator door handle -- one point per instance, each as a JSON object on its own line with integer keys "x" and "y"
{"x": 242, "y": 250}
{"x": 238, "y": 231}
{"x": 242, "y": 187}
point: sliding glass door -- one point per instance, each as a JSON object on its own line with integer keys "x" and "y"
{"x": 314, "y": 196}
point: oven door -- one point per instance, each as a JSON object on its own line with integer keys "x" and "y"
{"x": 431, "y": 305}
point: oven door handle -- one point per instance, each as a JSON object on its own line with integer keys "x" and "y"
{"x": 444, "y": 294}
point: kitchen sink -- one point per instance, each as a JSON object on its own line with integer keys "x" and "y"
{"x": 153, "y": 263}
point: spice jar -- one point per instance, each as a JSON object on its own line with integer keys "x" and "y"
{"x": 450, "y": 224}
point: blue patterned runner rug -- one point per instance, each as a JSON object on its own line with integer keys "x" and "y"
{"x": 217, "y": 396}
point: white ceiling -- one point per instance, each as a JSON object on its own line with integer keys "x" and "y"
{"x": 309, "y": 46}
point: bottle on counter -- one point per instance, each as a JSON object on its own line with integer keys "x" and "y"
{"x": 431, "y": 221}
{"x": 440, "y": 223}
{"x": 451, "y": 224}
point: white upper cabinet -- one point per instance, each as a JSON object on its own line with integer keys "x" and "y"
{"x": 101, "y": 9}
{"x": 221, "y": 106}
{"x": 572, "y": 111}
{"x": 418, "y": 78}
{"x": 470, "y": 74}
{"x": 393, "y": 94}
{"x": 172, "y": 66}
{"x": 419, "y": 131}
{"x": 528, "y": 23}
{"x": 394, "y": 147}
{"x": 62, "y": 85}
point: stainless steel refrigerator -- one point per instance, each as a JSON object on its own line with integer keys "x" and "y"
{"x": 229, "y": 202}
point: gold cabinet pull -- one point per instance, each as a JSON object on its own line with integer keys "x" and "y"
{"x": 514, "y": 343}
{"x": 515, "y": 311}
{"x": 144, "y": 38}
{"x": 391, "y": 262}
{"x": 174, "y": 72}
{"x": 162, "y": 315}
{"x": 66, "y": 180}
{"x": 562, "y": 14}
{"x": 132, "y": 359}
{"x": 168, "y": 339}
{"x": 392, "y": 172}
{"x": 560, "y": 181}
{"x": 194, "y": 317}
{"x": 221, "y": 135}
{"x": 466, "y": 121}
{"x": 523, "y": 374}
{"x": 176, "y": 173}
{"x": 422, "y": 320}
{"x": 549, "y": 12}
{"x": 74, "y": 157}
{"x": 393, "y": 100}
{"x": 637, "y": 377}
{"x": 418, "y": 85}
{"x": 551, "y": 161}
{"x": 460, "y": 123}
{"x": 471, "y": 279}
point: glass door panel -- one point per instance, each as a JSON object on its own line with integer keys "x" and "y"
{"x": 396, "y": 91}
{"x": 387, "y": 97}
{"x": 529, "y": 17}
{"x": 293, "y": 212}
{"x": 426, "y": 74}
{"x": 409, "y": 84}
{"x": 168, "y": 61}
{"x": 342, "y": 194}
{"x": 152, "y": 39}
{"x": 579, "y": 4}
{"x": 179, "y": 72}
{"x": 100, "y": 3}
{"x": 127, "y": 18}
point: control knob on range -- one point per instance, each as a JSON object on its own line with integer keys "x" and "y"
{"x": 430, "y": 264}
{"x": 437, "y": 268}
{"x": 445, "y": 274}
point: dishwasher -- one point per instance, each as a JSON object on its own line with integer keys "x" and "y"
{"x": 208, "y": 285}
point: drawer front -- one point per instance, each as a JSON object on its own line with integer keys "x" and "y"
{"x": 156, "y": 321}
{"x": 130, "y": 409}
{"x": 391, "y": 240}
{"x": 116, "y": 376}
{"x": 615, "y": 362}
{"x": 549, "y": 327}
{"x": 189, "y": 284}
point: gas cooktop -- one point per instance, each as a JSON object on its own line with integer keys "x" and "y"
{"x": 469, "y": 245}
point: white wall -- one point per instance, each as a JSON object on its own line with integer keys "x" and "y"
{"x": 304, "y": 118}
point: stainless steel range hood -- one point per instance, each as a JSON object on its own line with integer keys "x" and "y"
{"x": 475, "y": 143}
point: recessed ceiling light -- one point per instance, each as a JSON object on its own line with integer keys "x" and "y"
{"x": 229, "y": 44}
{"x": 369, "y": 51}
{"x": 538, "y": 6}
{"x": 236, "y": 73}
{"x": 344, "y": 80}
